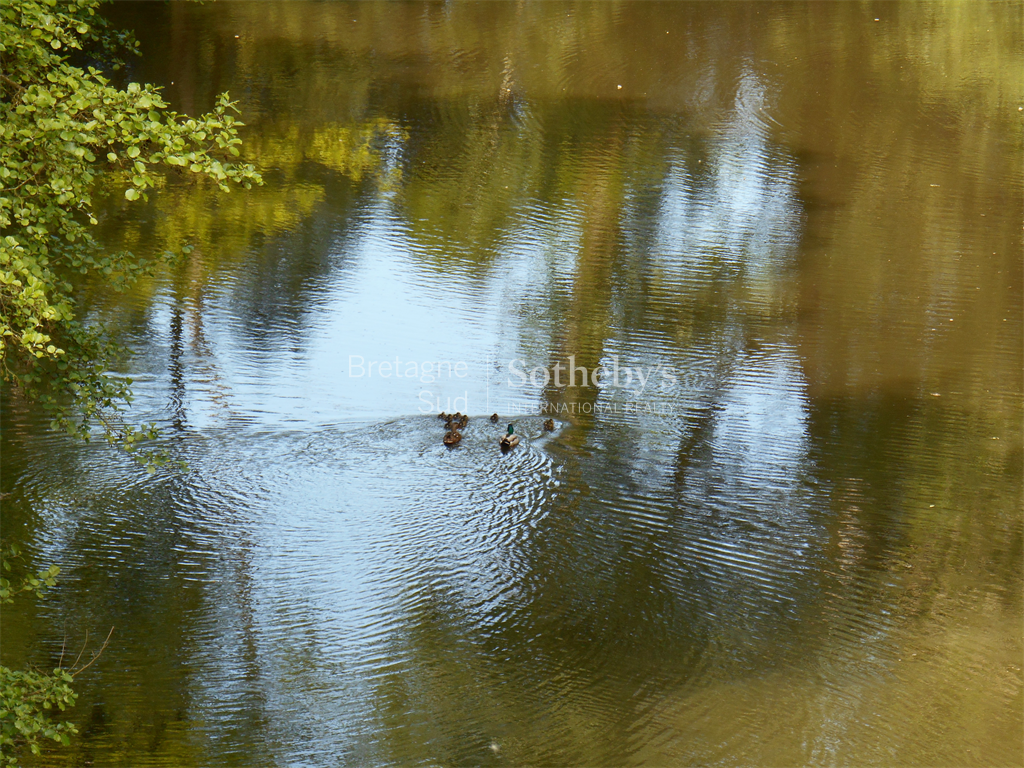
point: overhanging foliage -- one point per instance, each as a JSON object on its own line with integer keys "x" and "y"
{"x": 62, "y": 128}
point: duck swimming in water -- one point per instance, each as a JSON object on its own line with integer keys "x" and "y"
{"x": 457, "y": 421}
{"x": 509, "y": 441}
{"x": 452, "y": 438}
{"x": 549, "y": 425}
{"x": 494, "y": 418}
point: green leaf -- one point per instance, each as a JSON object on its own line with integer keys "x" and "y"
{"x": 133, "y": 152}
{"x": 131, "y": 194}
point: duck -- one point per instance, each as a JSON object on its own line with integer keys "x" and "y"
{"x": 443, "y": 416}
{"x": 509, "y": 441}
{"x": 549, "y": 425}
{"x": 452, "y": 438}
{"x": 494, "y": 418}
{"x": 458, "y": 421}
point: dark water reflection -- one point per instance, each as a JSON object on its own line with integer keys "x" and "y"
{"x": 802, "y": 546}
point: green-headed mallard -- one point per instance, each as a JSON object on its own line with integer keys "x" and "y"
{"x": 509, "y": 441}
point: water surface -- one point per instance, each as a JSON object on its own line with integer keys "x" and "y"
{"x": 790, "y": 532}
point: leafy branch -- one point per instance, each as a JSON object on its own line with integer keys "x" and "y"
{"x": 27, "y": 697}
{"x": 62, "y": 129}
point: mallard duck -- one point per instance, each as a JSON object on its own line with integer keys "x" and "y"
{"x": 457, "y": 422}
{"x": 509, "y": 441}
{"x": 494, "y": 418}
{"x": 549, "y": 425}
{"x": 452, "y": 438}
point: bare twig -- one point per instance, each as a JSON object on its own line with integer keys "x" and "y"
{"x": 84, "y": 646}
{"x": 97, "y": 654}
{"x": 60, "y": 664}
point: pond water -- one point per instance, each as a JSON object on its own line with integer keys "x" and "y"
{"x": 761, "y": 263}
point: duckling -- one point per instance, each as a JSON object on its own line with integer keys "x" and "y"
{"x": 452, "y": 438}
{"x": 549, "y": 425}
{"x": 443, "y": 416}
{"x": 494, "y": 418}
{"x": 509, "y": 441}
{"x": 464, "y": 421}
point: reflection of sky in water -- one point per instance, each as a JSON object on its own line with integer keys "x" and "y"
{"x": 734, "y": 518}
{"x": 723, "y": 227}
{"x": 329, "y": 551}
{"x": 344, "y": 548}
{"x": 735, "y": 228}
{"x": 756, "y": 472}
{"x": 728, "y": 225}
{"x": 743, "y": 220}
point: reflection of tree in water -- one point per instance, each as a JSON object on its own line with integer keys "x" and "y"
{"x": 729, "y": 231}
{"x": 608, "y": 603}
{"x": 793, "y": 485}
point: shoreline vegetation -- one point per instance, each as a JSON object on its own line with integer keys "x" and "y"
{"x": 66, "y": 129}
